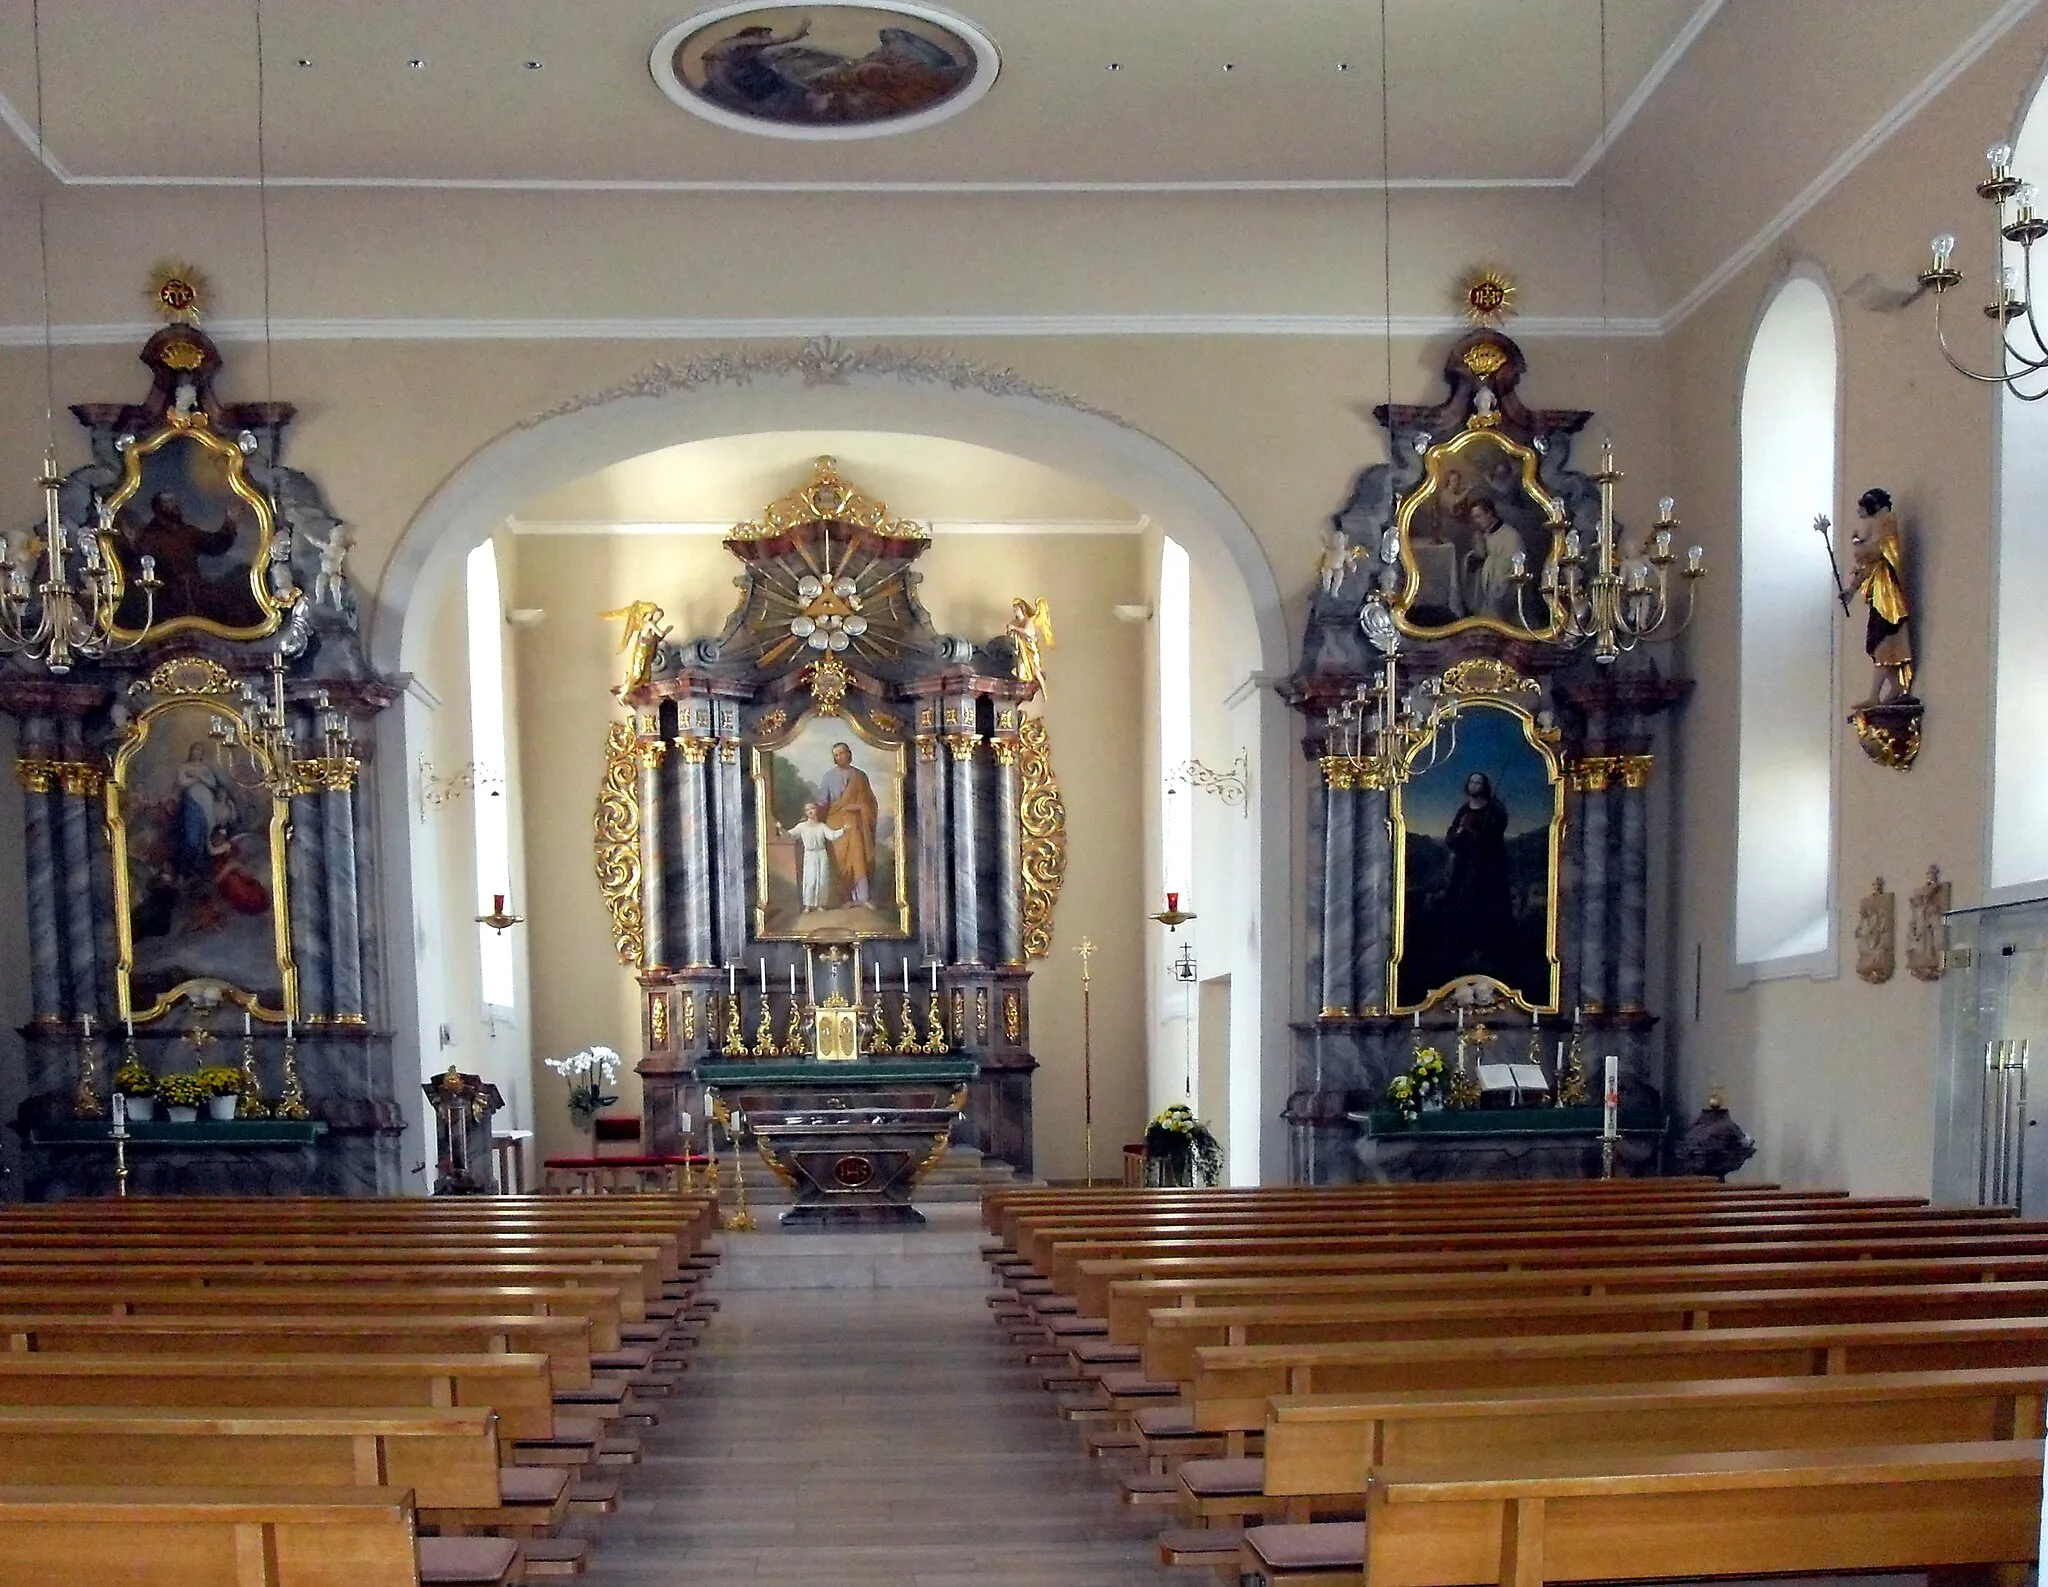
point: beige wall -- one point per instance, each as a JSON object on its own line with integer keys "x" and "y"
{"x": 568, "y": 663}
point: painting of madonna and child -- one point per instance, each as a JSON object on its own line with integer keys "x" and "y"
{"x": 200, "y": 888}
{"x": 830, "y": 806}
{"x": 1478, "y": 866}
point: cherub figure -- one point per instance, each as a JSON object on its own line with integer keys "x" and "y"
{"x": 644, "y": 630}
{"x": 1030, "y": 627}
{"x": 1336, "y": 559}
{"x": 330, "y": 582}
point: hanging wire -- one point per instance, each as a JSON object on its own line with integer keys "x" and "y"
{"x": 1606, "y": 329}
{"x": 263, "y": 203}
{"x": 1387, "y": 221}
{"x": 43, "y": 233}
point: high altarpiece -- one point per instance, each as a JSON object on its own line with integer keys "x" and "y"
{"x": 1480, "y": 831}
{"x": 831, "y": 843}
{"x": 200, "y": 862}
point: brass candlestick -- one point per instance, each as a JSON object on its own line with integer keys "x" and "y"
{"x": 250, "y": 1105}
{"x": 795, "y": 1042}
{"x": 291, "y": 1101}
{"x": 906, "y": 1030}
{"x": 735, "y": 1045}
{"x": 85, "y": 1102}
{"x": 878, "y": 1026}
{"x": 764, "y": 1032}
{"x": 935, "y": 1027}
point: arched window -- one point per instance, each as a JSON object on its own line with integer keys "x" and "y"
{"x": 2017, "y": 864}
{"x": 1784, "y": 856}
{"x": 493, "y": 827}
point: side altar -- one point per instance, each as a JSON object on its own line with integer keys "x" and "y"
{"x": 831, "y": 842}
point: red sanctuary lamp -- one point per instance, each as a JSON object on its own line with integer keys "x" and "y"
{"x": 1173, "y": 917}
{"x": 497, "y": 919}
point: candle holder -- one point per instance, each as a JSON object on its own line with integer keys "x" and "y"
{"x": 764, "y": 1033}
{"x": 250, "y": 1105}
{"x": 907, "y": 1043}
{"x": 878, "y": 1026}
{"x": 935, "y": 1041}
{"x": 85, "y": 1101}
{"x": 735, "y": 1043}
{"x": 291, "y": 1101}
{"x": 796, "y": 1040}
{"x": 498, "y": 919}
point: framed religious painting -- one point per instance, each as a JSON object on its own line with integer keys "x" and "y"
{"x": 829, "y": 853}
{"x": 186, "y": 503}
{"x": 1477, "y": 833}
{"x": 201, "y": 912}
{"x": 1476, "y": 510}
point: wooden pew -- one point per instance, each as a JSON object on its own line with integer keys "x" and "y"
{"x": 1751, "y": 1513}
{"x": 187, "y": 1537}
{"x": 1233, "y": 1383}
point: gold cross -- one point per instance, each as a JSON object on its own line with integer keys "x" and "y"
{"x": 1086, "y": 950}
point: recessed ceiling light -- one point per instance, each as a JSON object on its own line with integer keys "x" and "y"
{"x": 1343, "y": 66}
{"x": 534, "y": 66}
{"x": 304, "y": 62}
{"x": 417, "y": 64}
{"x": 1114, "y": 66}
{"x": 1230, "y": 66}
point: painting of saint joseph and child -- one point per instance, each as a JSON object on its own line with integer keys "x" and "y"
{"x": 830, "y": 808}
{"x": 1478, "y": 865}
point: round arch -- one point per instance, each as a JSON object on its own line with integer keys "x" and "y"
{"x": 1043, "y": 427}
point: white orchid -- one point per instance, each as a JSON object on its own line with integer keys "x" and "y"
{"x": 588, "y": 1073}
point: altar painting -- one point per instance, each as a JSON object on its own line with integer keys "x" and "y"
{"x": 829, "y": 860}
{"x": 199, "y": 868}
{"x": 1476, "y": 853}
{"x": 1478, "y": 507}
{"x": 185, "y": 501}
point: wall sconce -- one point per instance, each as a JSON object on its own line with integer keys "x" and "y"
{"x": 438, "y": 789}
{"x": 1232, "y": 785}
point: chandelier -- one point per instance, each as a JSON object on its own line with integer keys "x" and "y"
{"x": 1373, "y": 736}
{"x": 69, "y": 613}
{"x": 1605, "y": 598}
{"x": 2015, "y": 288}
{"x": 259, "y": 726}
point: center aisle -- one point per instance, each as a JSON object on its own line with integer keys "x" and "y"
{"x": 868, "y": 1436}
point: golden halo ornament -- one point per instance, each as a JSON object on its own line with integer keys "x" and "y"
{"x": 177, "y": 292}
{"x": 1487, "y": 295}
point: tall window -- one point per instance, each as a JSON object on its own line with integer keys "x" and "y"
{"x": 486, "y": 623}
{"x": 1784, "y": 911}
{"x": 2018, "y": 859}
{"x": 1176, "y": 713}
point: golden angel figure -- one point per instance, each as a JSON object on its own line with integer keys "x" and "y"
{"x": 644, "y": 630}
{"x": 1030, "y": 626}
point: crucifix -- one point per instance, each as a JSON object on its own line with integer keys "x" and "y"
{"x": 1086, "y": 950}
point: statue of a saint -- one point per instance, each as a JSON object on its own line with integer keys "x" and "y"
{"x": 1877, "y": 572}
{"x": 1030, "y": 630}
{"x": 1877, "y": 934}
{"x": 645, "y": 628}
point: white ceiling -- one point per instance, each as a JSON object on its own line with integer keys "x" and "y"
{"x": 1483, "y": 90}
{"x": 718, "y": 483}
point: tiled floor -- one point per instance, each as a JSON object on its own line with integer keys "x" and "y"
{"x": 863, "y": 1437}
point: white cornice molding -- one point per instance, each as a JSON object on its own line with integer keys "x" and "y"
{"x": 586, "y": 527}
{"x": 885, "y": 327}
{"x": 1663, "y": 67}
{"x": 1837, "y": 170}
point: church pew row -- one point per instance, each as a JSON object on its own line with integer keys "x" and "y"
{"x": 195, "y": 1537}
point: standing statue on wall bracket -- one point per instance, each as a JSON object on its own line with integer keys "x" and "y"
{"x": 1888, "y": 722}
{"x": 645, "y": 628}
{"x": 1030, "y": 630}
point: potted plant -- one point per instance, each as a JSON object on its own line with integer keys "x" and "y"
{"x": 1180, "y": 1150}
{"x": 182, "y": 1096}
{"x": 223, "y": 1091}
{"x": 588, "y": 1073}
{"x": 138, "y": 1085}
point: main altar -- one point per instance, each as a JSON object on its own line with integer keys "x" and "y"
{"x": 831, "y": 841}
{"x": 1481, "y": 704}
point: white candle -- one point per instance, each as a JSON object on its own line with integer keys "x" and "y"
{"x": 1612, "y": 1098}
{"x": 287, "y": 1027}
{"x": 1418, "y": 1019}
{"x": 732, "y": 980}
{"x": 88, "y": 1024}
{"x": 130, "y": 1023}
{"x": 245, "y": 1022}
{"x": 906, "y": 978}
{"x": 120, "y": 1115}
{"x": 792, "y": 980}
{"x": 856, "y": 979}
{"x": 935, "y": 975}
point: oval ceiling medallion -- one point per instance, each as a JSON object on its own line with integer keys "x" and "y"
{"x": 830, "y": 69}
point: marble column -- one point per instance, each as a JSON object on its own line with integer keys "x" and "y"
{"x": 729, "y": 845}
{"x": 344, "y": 918}
{"x": 1595, "y": 962}
{"x": 1632, "y": 886}
{"x": 960, "y": 748}
{"x": 1009, "y": 852}
{"x": 1340, "y": 869}
{"x": 46, "y": 982}
{"x": 306, "y": 879}
{"x": 934, "y": 877}
{"x": 76, "y": 793}
{"x": 653, "y": 884}
{"x": 694, "y": 907}
{"x": 1374, "y": 845}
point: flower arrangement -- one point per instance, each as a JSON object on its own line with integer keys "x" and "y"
{"x": 182, "y": 1091}
{"x": 221, "y": 1081}
{"x": 1422, "y": 1087}
{"x": 133, "y": 1080}
{"x": 588, "y": 1073}
{"x": 1180, "y": 1150}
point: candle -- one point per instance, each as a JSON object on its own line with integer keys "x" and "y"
{"x": 88, "y": 1024}
{"x": 792, "y": 982}
{"x": 1173, "y": 903}
{"x": 1560, "y": 1058}
{"x": 497, "y": 903}
{"x": 129, "y": 1021}
{"x": 1418, "y": 1019}
{"x": 1612, "y": 1099}
{"x": 732, "y": 980}
{"x": 906, "y": 978}
{"x": 245, "y": 1022}
{"x": 120, "y": 1115}
{"x": 856, "y": 978}
{"x": 287, "y": 1027}
{"x": 935, "y": 975}
{"x": 764, "y": 975}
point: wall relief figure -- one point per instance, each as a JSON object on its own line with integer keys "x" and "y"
{"x": 1927, "y": 928}
{"x": 1876, "y": 934}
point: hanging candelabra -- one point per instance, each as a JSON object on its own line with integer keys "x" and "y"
{"x": 68, "y": 614}
{"x": 1375, "y": 736}
{"x": 2014, "y": 221}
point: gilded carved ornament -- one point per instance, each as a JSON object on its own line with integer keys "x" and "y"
{"x": 829, "y": 679}
{"x": 657, "y": 1019}
{"x": 1043, "y": 817}
{"x": 1598, "y": 773}
{"x": 39, "y": 775}
{"x": 1486, "y": 675}
{"x": 616, "y": 829}
{"x": 827, "y": 498}
{"x": 643, "y": 627}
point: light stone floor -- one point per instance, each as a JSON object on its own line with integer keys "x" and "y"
{"x": 868, "y": 1436}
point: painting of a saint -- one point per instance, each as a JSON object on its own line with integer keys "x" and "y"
{"x": 207, "y": 540}
{"x": 830, "y": 808}
{"x": 1478, "y": 864}
{"x": 821, "y": 67}
{"x": 201, "y": 885}
{"x": 1476, "y": 510}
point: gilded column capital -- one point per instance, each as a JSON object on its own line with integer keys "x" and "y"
{"x": 1003, "y": 751}
{"x": 695, "y": 751}
{"x": 1598, "y": 773}
{"x": 927, "y": 747}
{"x": 40, "y": 774}
{"x": 323, "y": 774}
{"x": 729, "y": 751}
{"x": 961, "y": 745}
{"x": 651, "y": 751}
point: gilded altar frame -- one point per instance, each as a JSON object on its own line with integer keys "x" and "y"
{"x": 764, "y": 752}
{"x": 1543, "y": 742}
{"x": 1435, "y": 460}
{"x": 119, "y": 786}
{"x": 198, "y": 430}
